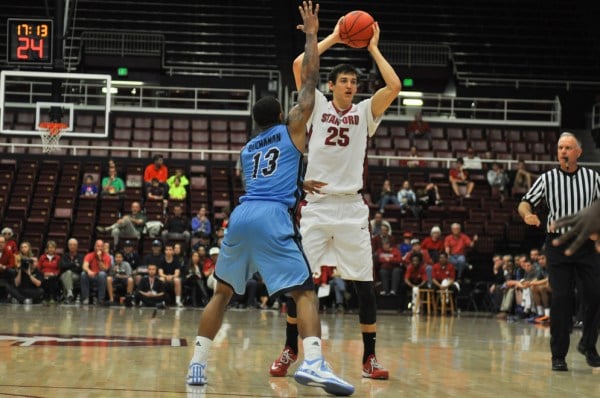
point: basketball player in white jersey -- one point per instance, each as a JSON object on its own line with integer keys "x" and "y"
{"x": 335, "y": 221}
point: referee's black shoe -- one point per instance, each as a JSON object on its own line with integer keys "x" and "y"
{"x": 559, "y": 365}
{"x": 591, "y": 355}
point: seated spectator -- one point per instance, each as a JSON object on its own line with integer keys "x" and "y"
{"x": 390, "y": 269}
{"x": 170, "y": 273}
{"x": 7, "y": 267}
{"x": 131, "y": 256}
{"x": 155, "y": 256}
{"x": 256, "y": 295}
{"x": 70, "y": 269}
{"x": 433, "y": 244}
{"x": 11, "y": 244}
{"x": 183, "y": 180}
{"x": 177, "y": 191}
{"x": 112, "y": 185}
{"x": 472, "y": 161}
{"x": 377, "y": 222}
{"x": 25, "y": 254}
{"x": 459, "y": 176}
{"x": 444, "y": 276}
{"x": 427, "y": 261}
{"x": 408, "y": 200}
{"x": 157, "y": 170}
{"x": 414, "y": 160}
{"x": 179, "y": 255}
{"x": 201, "y": 227}
{"x": 415, "y": 277}
{"x": 522, "y": 179}
{"x": 384, "y": 236}
{"x": 95, "y": 267}
{"x": 523, "y": 296}
{"x": 541, "y": 292}
{"x": 156, "y": 191}
{"x": 431, "y": 195}
{"x": 49, "y": 265}
{"x": 456, "y": 245}
{"x": 498, "y": 279}
{"x": 129, "y": 226}
{"x": 195, "y": 281}
{"x": 387, "y": 196}
{"x": 88, "y": 188}
{"x": 151, "y": 290}
{"x": 497, "y": 179}
{"x": 419, "y": 129}
{"x": 27, "y": 286}
{"x": 405, "y": 246}
{"x": 507, "y": 290}
{"x": 176, "y": 226}
{"x": 120, "y": 279}
{"x": 338, "y": 285}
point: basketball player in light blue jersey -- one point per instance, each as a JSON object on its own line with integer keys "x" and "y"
{"x": 261, "y": 234}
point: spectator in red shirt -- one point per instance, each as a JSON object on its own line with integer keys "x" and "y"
{"x": 414, "y": 160}
{"x": 444, "y": 275}
{"x": 50, "y": 269}
{"x": 208, "y": 268}
{"x": 95, "y": 268}
{"x": 390, "y": 268}
{"x": 7, "y": 265}
{"x": 384, "y": 236}
{"x": 418, "y": 128}
{"x": 11, "y": 244}
{"x": 415, "y": 275}
{"x": 459, "y": 176}
{"x": 433, "y": 244}
{"x": 456, "y": 245}
{"x": 157, "y": 170}
{"x": 427, "y": 261}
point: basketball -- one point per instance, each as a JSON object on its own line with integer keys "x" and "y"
{"x": 356, "y": 30}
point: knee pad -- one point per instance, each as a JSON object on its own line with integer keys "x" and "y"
{"x": 367, "y": 306}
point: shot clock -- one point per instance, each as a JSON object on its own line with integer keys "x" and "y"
{"x": 29, "y": 41}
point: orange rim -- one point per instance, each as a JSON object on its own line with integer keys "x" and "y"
{"x": 53, "y": 127}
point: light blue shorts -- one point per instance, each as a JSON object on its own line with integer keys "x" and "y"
{"x": 261, "y": 237}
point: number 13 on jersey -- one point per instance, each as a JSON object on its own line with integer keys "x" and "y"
{"x": 270, "y": 158}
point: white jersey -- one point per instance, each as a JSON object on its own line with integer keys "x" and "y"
{"x": 337, "y": 146}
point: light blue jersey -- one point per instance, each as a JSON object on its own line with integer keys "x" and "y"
{"x": 272, "y": 167}
{"x": 261, "y": 235}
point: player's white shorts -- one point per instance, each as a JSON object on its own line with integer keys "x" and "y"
{"x": 335, "y": 231}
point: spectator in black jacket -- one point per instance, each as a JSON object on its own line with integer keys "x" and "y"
{"x": 151, "y": 291}
{"x": 177, "y": 226}
{"x": 70, "y": 269}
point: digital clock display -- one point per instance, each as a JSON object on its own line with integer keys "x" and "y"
{"x": 29, "y": 41}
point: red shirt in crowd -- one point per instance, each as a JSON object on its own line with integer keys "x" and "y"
{"x": 447, "y": 272}
{"x": 49, "y": 265}
{"x": 161, "y": 174}
{"x": 12, "y": 246}
{"x": 92, "y": 260}
{"x": 456, "y": 174}
{"x": 7, "y": 258}
{"x": 208, "y": 267}
{"x": 326, "y": 275}
{"x": 426, "y": 257}
{"x": 415, "y": 275}
{"x": 389, "y": 259}
{"x": 457, "y": 244}
{"x": 430, "y": 244}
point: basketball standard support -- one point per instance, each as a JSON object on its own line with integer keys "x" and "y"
{"x": 81, "y": 92}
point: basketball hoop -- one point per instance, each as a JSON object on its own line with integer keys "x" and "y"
{"x": 50, "y": 133}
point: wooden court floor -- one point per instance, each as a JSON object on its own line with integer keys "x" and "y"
{"x": 71, "y": 351}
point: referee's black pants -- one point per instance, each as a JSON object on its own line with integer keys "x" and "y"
{"x": 562, "y": 271}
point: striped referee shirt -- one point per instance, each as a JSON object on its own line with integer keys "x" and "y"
{"x": 565, "y": 193}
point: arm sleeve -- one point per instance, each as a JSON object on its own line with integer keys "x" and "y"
{"x": 537, "y": 191}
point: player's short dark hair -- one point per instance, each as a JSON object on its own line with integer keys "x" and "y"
{"x": 339, "y": 69}
{"x": 266, "y": 111}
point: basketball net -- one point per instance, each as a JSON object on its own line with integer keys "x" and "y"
{"x": 50, "y": 134}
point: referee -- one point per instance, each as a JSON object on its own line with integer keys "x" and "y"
{"x": 567, "y": 190}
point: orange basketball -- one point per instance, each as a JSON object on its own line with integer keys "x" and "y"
{"x": 356, "y": 30}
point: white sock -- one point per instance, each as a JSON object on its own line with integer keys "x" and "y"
{"x": 539, "y": 309}
{"x": 312, "y": 348}
{"x": 178, "y": 299}
{"x": 547, "y": 312}
{"x": 201, "y": 349}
